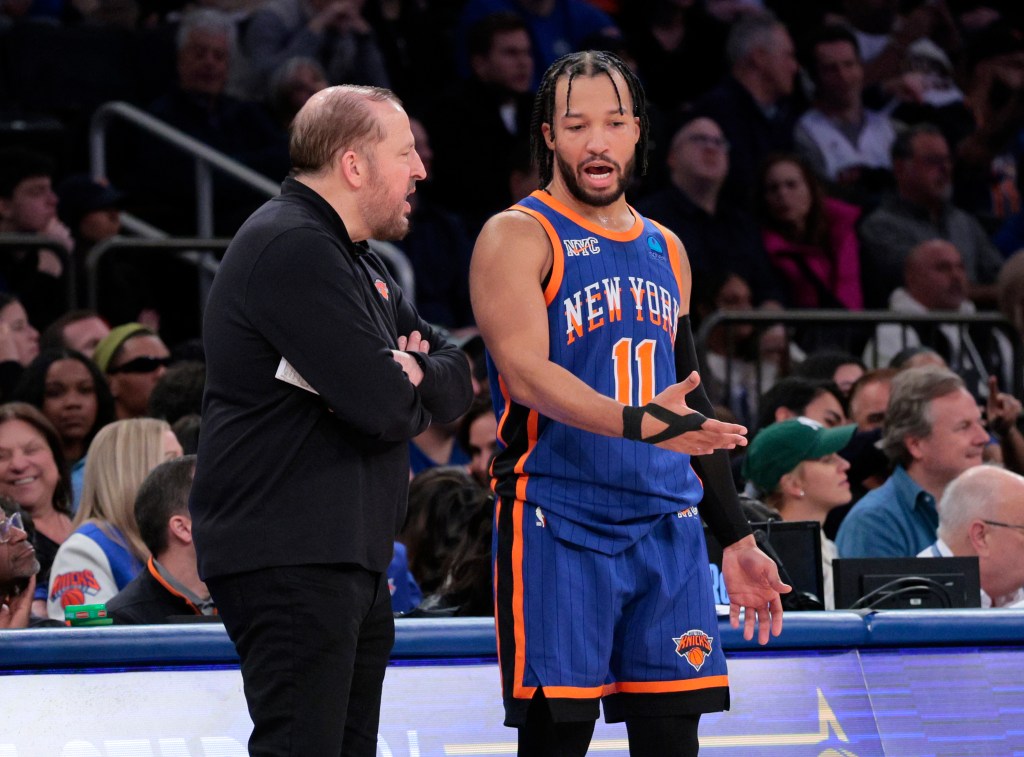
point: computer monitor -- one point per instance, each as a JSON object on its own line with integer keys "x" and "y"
{"x": 906, "y": 583}
{"x": 797, "y": 544}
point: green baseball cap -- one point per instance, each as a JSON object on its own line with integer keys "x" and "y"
{"x": 779, "y": 448}
{"x": 107, "y": 346}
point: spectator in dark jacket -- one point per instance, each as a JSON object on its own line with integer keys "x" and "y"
{"x": 169, "y": 586}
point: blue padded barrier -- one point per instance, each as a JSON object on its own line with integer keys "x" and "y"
{"x": 804, "y": 630}
{"x": 906, "y": 628}
{"x": 207, "y": 644}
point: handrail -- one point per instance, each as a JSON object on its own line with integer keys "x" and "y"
{"x": 843, "y": 318}
{"x": 203, "y": 262}
{"x": 15, "y": 241}
{"x": 205, "y": 157}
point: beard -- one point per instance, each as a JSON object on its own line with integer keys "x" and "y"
{"x": 568, "y": 175}
{"x": 384, "y": 214}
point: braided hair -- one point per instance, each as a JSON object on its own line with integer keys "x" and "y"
{"x": 587, "y": 63}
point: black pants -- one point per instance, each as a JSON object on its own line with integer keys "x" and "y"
{"x": 314, "y": 641}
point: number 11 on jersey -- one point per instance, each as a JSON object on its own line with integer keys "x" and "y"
{"x": 633, "y": 383}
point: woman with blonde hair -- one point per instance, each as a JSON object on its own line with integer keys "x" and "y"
{"x": 106, "y": 550}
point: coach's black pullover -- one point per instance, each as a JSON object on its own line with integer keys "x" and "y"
{"x": 285, "y": 476}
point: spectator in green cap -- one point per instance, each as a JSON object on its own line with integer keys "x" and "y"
{"x": 796, "y": 465}
{"x": 133, "y": 358}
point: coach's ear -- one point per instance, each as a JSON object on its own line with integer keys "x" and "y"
{"x": 352, "y": 168}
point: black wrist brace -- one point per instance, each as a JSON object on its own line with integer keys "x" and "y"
{"x": 632, "y": 418}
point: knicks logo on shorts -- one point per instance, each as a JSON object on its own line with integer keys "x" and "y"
{"x": 382, "y": 289}
{"x": 695, "y": 646}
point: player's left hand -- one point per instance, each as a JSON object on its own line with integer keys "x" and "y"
{"x": 752, "y": 580}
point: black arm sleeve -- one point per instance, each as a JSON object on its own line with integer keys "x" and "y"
{"x": 720, "y": 507}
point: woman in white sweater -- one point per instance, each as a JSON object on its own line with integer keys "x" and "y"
{"x": 106, "y": 551}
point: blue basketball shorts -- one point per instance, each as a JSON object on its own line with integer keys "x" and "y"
{"x": 636, "y": 629}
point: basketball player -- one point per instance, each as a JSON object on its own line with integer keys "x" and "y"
{"x": 601, "y": 576}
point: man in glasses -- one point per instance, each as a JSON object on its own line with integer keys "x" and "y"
{"x": 133, "y": 358}
{"x": 18, "y": 568}
{"x": 982, "y": 513}
{"x": 716, "y": 233}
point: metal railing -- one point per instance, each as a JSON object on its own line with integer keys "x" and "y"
{"x": 11, "y": 242}
{"x": 206, "y": 161}
{"x": 206, "y": 158}
{"x": 853, "y": 327}
{"x": 187, "y": 249}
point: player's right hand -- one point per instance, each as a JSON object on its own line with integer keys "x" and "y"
{"x": 712, "y": 435}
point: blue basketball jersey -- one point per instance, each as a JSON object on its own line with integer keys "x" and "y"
{"x": 613, "y": 308}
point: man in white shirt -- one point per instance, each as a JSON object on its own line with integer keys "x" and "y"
{"x": 982, "y": 513}
{"x": 844, "y": 142}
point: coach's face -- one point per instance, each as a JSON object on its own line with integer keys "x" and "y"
{"x": 394, "y": 167}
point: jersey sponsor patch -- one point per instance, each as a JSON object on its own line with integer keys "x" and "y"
{"x": 576, "y": 247}
{"x": 655, "y": 248}
{"x": 382, "y": 288}
{"x": 694, "y": 646}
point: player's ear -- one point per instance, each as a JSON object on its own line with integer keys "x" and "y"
{"x": 549, "y": 140}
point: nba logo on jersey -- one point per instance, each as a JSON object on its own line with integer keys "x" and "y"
{"x": 577, "y": 247}
{"x": 695, "y": 646}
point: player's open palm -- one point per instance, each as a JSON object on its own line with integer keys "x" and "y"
{"x": 697, "y": 437}
{"x": 752, "y": 580}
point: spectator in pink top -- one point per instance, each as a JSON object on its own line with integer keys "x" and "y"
{"x": 810, "y": 238}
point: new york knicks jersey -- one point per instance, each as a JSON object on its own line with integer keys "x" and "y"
{"x": 613, "y": 302}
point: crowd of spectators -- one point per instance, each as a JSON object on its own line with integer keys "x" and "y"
{"x": 838, "y": 155}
